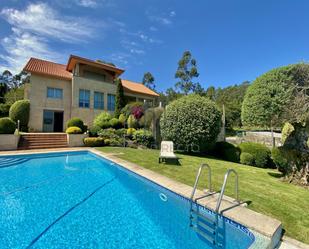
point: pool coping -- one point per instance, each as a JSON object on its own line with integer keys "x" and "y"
{"x": 266, "y": 226}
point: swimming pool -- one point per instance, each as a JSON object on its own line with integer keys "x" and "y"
{"x": 80, "y": 200}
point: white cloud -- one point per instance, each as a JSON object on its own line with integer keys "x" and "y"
{"x": 152, "y": 28}
{"x": 136, "y": 51}
{"x": 32, "y": 30}
{"x": 172, "y": 13}
{"x": 87, "y": 3}
{"x": 41, "y": 19}
{"x": 120, "y": 58}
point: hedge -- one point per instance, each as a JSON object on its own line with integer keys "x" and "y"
{"x": 143, "y": 137}
{"x": 261, "y": 154}
{"x": 191, "y": 122}
{"x": 7, "y": 126}
{"x": 20, "y": 110}
{"x": 226, "y": 151}
{"x": 246, "y": 158}
{"x": 74, "y": 130}
{"x": 93, "y": 141}
{"x": 4, "y": 110}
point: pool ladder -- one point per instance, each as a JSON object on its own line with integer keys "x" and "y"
{"x": 202, "y": 222}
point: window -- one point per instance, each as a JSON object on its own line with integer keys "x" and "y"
{"x": 54, "y": 93}
{"x": 111, "y": 102}
{"x": 84, "y": 98}
{"x": 98, "y": 100}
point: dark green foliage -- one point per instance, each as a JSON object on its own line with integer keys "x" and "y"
{"x": 4, "y": 110}
{"x": 260, "y": 153}
{"x": 120, "y": 99}
{"x": 279, "y": 157}
{"x": 231, "y": 97}
{"x": 121, "y": 132}
{"x": 78, "y": 123}
{"x": 7, "y": 126}
{"x": 93, "y": 141}
{"x": 108, "y": 133}
{"x": 186, "y": 71}
{"x": 115, "y": 123}
{"x": 14, "y": 95}
{"x": 246, "y": 158}
{"x": 143, "y": 137}
{"x": 191, "y": 122}
{"x": 3, "y": 91}
{"x": 267, "y": 99}
{"x": 148, "y": 80}
{"x": 93, "y": 131}
{"x": 20, "y": 110}
{"x": 226, "y": 151}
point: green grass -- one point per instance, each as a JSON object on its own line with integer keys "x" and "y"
{"x": 262, "y": 187}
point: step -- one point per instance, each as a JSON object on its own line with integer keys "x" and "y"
{"x": 42, "y": 147}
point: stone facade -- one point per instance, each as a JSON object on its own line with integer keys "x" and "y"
{"x": 36, "y": 92}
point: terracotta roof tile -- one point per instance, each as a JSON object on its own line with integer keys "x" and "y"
{"x": 137, "y": 88}
{"x": 39, "y": 66}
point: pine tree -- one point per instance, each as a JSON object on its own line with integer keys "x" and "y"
{"x": 148, "y": 80}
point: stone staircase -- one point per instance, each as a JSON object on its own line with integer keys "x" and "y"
{"x": 42, "y": 141}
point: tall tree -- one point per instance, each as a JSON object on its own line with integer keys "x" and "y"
{"x": 211, "y": 93}
{"x": 148, "y": 80}
{"x": 3, "y": 91}
{"x": 186, "y": 72}
{"x": 120, "y": 99}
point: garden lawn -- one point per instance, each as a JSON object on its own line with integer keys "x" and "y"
{"x": 262, "y": 187}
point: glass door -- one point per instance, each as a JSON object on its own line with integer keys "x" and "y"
{"x": 48, "y": 121}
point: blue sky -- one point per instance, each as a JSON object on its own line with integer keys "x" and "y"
{"x": 232, "y": 40}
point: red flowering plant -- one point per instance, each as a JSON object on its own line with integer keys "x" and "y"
{"x": 137, "y": 112}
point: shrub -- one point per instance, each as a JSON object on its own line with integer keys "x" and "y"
{"x": 132, "y": 122}
{"x": 279, "y": 157}
{"x": 260, "y": 153}
{"x": 286, "y": 131}
{"x": 115, "y": 123}
{"x": 117, "y": 142}
{"x": 4, "y": 110}
{"x": 130, "y": 131}
{"x": 74, "y": 130}
{"x": 143, "y": 137}
{"x": 20, "y": 110}
{"x": 122, "y": 119}
{"x": 191, "y": 122}
{"x": 108, "y": 133}
{"x": 102, "y": 120}
{"x": 93, "y": 141}
{"x": 107, "y": 142}
{"x": 127, "y": 110}
{"x": 93, "y": 131}
{"x": 246, "y": 158}
{"x": 121, "y": 132}
{"x": 226, "y": 151}
{"x": 137, "y": 112}
{"x": 77, "y": 122}
{"x": 7, "y": 126}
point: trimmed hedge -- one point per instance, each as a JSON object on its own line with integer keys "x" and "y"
{"x": 93, "y": 141}
{"x": 246, "y": 158}
{"x": 191, "y": 122}
{"x": 143, "y": 137}
{"x": 77, "y": 122}
{"x": 74, "y": 130}
{"x": 260, "y": 153}
{"x": 226, "y": 151}
{"x": 20, "y": 110}
{"x": 7, "y": 126}
{"x": 279, "y": 157}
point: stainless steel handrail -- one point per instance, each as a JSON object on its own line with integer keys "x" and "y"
{"x": 229, "y": 171}
{"x": 198, "y": 177}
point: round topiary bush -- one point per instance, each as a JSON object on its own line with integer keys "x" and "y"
{"x": 76, "y": 122}
{"x": 246, "y": 158}
{"x": 74, "y": 130}
{"x": 191, "y": 122}
{"x": 115, "y": 123}
{"x": 7, "y": 126}
{"x": 260, "y": 153}
{"x": 102, "y": 120}
{"x": 20, "y": 110}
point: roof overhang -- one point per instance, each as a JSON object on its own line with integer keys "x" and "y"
{"x": 73, "y": 60}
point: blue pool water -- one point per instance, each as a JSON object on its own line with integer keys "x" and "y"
{"x": 80, "y": 200}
